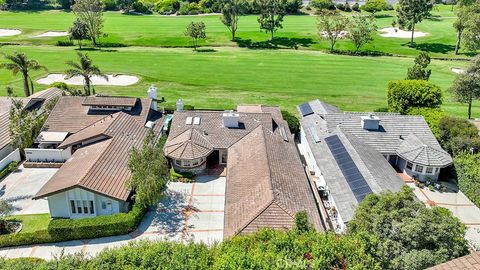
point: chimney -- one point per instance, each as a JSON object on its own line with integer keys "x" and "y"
{"x": 230, "y": 119}
{"x": 180, "y": 105}
{"x": 370, "y": 122}
{"x": 152, "y": 94}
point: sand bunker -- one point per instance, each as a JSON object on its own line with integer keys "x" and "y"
{"x": 9, "y": 32}
{"x": 52, "y": 34}
{"x": 458, "y": 70}
{"x": 115, "y": 80}
{"x": 399, "y": 33}
{"x": 342, "y": 34}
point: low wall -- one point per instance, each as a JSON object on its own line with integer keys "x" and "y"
{"x": 13, "y": 156}
{"x": 47, "y": 155}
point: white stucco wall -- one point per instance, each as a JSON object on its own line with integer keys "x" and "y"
{"x": 7, "y": 149}
{"x": 47, "y": 155}
{"x": 59, "y": 204}
{"x": 10, "y": 157}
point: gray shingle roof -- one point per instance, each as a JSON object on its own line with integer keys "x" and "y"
{"x": 188, "y": 145}
{"x": 414, "y": 150}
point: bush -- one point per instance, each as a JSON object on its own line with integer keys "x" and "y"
{"x": 11, "y": 167}
{"x": 64, "y": 43}
{"x": 356, "y": 7}
{"x": 467, "y": 167}
{"x": 293, "y": 6}
{"x": 322, "y": 4}
{"x": 347, "y": 7}
{"x": 109, "y": 5}
{"x": 458, "y": 135}
{"x": 189, "y": 9}
{"x": 404, "y": 94}
{"x": 340, "y": 6}
{"x": 184, "y": 177}
{"x": 167, "y": 6}
{"x": 432, "y": 117}
{"x": 140, "y": 7}
{"x": 374, "y": 6}
{"x": 292, "y": 121}
{"x": 84, "y": 228}
{"x": 209, "y": 6}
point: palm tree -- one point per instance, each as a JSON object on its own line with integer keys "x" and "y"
{"x": 86, "y": 69}
{"x": 19, "y": 62}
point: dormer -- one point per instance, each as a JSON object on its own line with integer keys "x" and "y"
{"x": 109, "y": 103}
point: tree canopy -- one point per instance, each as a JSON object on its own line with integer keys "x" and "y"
{"x": 404, "y": 94}
{"x": 86, "y": 69}
{"x": 419, "y": 70}
{"x": 20, "y": 63}
{"x": 150, "y": 172}
{"x": 466, "y": 87}
{"x": 90, "y": 12}
{"x": 196, "y": 31}
{"x": 402, "y": 233}
{"x": 331, "y": 26}
{"x": 271, "y": 13}
{"x": 231, "y": 12}
{"x": 411, "y": 12}
{"x": 360, "y": 30}
{"x": 374, "y": 6}
{"x": 78, "y": 32}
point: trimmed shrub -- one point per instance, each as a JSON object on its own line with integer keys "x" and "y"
{"x": 340, "y": 6}
{"x": 189, "y": 9}
{"x": 84, "y": 228}
{"x": 293, "y": 6}
{"x": 432, "y": 117}
{"x": 356, "y": 7}
{"x": 184, "y": 177}
{"x": 467, "y": 167}
{"x": 404, "y": 94}
{"x": 109, "y": 5}
{"x": 141, "y": 7}
{"x": 12, "y": 166}
{"x": 65, "y": 43}
{"x": 458, "y": 135}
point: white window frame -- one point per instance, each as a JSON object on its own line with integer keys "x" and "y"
{"x": 409, "y": 164}
{"x": 419, "y": 166}
{"x": 429, "y": 170}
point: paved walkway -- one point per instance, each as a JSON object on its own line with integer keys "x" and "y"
{"x": 458, "y": 204}
{"x": 190, "y": 211}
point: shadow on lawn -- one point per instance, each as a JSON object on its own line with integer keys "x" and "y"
{"x": 276, "y": 43}
{"x": 433, "y": 47}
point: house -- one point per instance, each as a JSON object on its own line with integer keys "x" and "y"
{"x": 100, "y": 132}
{"x": 35, "y": 101}
{"x": 467, "y": 262}
{"x": 266, "y": 183}
{"x": 353, "y": 154}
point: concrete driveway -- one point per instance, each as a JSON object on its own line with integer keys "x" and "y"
{"x": 189, "y": 212}
{"x": 19, "y": 187}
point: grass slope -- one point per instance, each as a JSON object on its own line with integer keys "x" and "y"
{"x": 156, "y": 30}
{"x": 231, "y": 76}
{"x": 32, "y": 223}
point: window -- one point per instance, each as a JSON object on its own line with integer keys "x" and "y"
{"x": 79, "y": 206}
{"x": 72, "y": 206}
{"x": 187, "y": 163}
{"x": 429, "y": 170}
{"x": 92, "y": 211}
{"x": 409, "y": 165}
{"x": 419, "y": 168}
{"x": 178, "y": 162}
{"x": 195, "y": 162}
{"x": 223, "y": 157}
{"x": 85, "y": 207}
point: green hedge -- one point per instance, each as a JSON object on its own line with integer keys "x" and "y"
{"x": 12, "y": 166}
{"x": 84, "y": 228}
{"x": 467, "y": 167}
{"x": 404, "y": 94}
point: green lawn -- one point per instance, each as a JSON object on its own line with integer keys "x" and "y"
{"x": 231, "y": 76}
{"x": 156, "y": 30}
{"x": 32, "y": 223}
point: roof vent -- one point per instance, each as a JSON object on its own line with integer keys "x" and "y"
{"x": 230, "y": 119}
{"x": 370, "y": 122}
{"x": 150, "y": 124}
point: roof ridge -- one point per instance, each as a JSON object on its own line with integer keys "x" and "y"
{"x": 250, "y": 220}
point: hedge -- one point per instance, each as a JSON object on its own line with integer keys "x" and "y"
{"x": 12, "y": 166}
{"x": 467, "y": 167}
{"x": 73, "y": 229}
{"x": 404, "y": 94}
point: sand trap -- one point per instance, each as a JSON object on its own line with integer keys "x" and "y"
{"x": 115, "y": 80}
{"x": 9, "y": 32}
{"x": 458, "y": 70}
{"x": 342, "y": 34}
{"x": 399, "y": 33}
{"x": 52, "y": 34}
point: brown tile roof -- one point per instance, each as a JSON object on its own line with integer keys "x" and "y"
{"x": 189, "y": 145}
{"x": 41, "y": 98}
{"x": 102, "y": 166}
{"x": 266, "y": 185}
{"x": 212, "y": 130}
{"x": 468, "y": 262}
{"x": 69, "y": 115}
{"x": 109, "y": 101}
